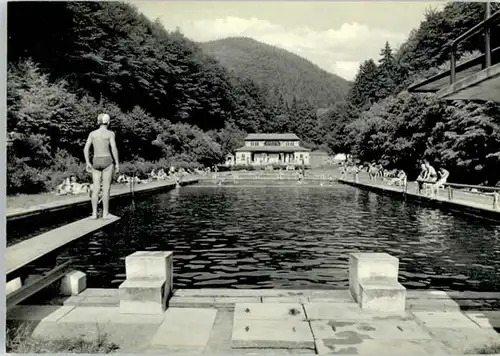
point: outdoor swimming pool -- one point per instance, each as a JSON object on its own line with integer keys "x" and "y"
{"x": 290, "y": 236}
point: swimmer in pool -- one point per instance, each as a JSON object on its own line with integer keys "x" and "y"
{"x": 104, "y": 164}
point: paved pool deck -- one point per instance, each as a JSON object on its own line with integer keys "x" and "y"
{"x": 204, "y": 321}
{"x": 117, "y": 191}
{"x": 463, "y": 201}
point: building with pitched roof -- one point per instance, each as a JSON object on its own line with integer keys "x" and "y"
{"x": 266, "y": 149}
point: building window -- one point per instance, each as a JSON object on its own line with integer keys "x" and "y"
{"x": 254, "y": 143}
{"x": 271, "y": 143}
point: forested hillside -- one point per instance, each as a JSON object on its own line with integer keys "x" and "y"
{"x": 170, "y": 102}
{"x": 294, "y": 91}
{"x": 283, "y": 74}
{"x": 381, "y": 121}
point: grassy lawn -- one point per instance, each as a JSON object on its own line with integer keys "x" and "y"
{"x": 19, "y": 340}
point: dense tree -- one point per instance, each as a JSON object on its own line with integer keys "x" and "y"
{"x": 386, "y": 73}
{"x": 111, "y": 51}
{"x": 398, "y": 129}
{"x": 364, "y": 89}
{"x": 170, "y": 102}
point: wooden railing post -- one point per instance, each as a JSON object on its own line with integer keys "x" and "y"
{"x": 450, "y": 193}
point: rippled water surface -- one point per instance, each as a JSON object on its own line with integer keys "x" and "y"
{"x": 293, "y": 237}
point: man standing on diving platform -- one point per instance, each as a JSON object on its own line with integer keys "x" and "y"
{"x": 104, "y": 164}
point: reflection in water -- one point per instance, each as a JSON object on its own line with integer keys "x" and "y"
{"x": 293, "y": 237}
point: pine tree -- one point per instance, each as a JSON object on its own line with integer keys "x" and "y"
{"x": 386, "y": 73}
{"x": 363, "y": 90}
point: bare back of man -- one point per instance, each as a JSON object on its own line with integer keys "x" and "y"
{"x": 104, "y": 163}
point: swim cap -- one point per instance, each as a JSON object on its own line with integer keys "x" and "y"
{"x": 103, "y": 119}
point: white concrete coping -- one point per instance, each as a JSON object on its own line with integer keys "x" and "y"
{"x": 73, "y": 283}
{"x": 150, "y": 264}
{"x": 382, "y": 294}
{"x": 364, "y": 266}
{"x": 380, "y": 284}
{"x": 13, "y": 285}
{"x": 374, "y": 256}
{"x": 143, "y": 296}
{"x": 142, "y": 283}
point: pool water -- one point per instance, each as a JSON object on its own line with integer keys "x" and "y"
{"x": 293, "y": 236}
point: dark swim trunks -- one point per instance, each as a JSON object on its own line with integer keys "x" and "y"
{"x": 101, "y": 163}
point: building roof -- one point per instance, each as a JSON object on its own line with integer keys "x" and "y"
{"x": 272, "y": 136}
{"x": 277, "y": 149}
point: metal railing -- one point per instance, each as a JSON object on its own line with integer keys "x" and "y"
{"x": 479, "y": 190}
{"x": 476, "y": 189}
{"x": 485, "y": 26}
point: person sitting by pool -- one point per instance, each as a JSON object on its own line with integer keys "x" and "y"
{"x": 431, "y": 178}
{"x": 432, "y": 174}
{"x": 78, "y": 188}
{"x": 122, "y": 178}
{"x": 64, "y": 188}
{"x": 421, "y": 177}
{"x": 373, "y": 172}
{"x": 400, "y": 179}
{"x": 403, "y": 178}
{"x": 342, "y": 171}
{"x": 443, "y": 177}
{"x": 153, "y": 174}
{"x": 299, "y": 177}
{"x": 161, "y": 175}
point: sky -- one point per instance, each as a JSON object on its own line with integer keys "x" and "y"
{"x": 337, "y": 36}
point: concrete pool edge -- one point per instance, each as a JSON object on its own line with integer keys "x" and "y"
{"x": 145, "y": 190}
{"x": 73, "y": 315}
{"x": 446, "y": 205}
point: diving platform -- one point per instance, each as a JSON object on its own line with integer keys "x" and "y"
{"x": 22, "y": 284}
{"x": 475, "y": 79}
{"x": 28, "y": 251}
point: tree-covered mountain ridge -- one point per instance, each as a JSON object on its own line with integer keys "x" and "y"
{"x": 278, "y": 71}
{"x": 170, "y": 102}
